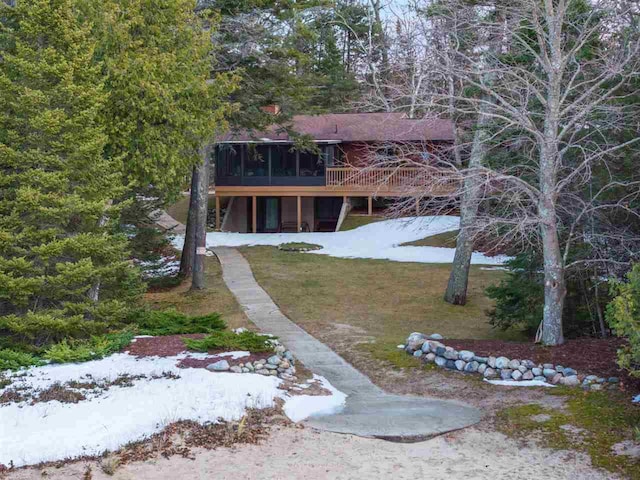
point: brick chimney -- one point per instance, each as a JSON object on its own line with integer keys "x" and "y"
{"x": 272, "y": 109}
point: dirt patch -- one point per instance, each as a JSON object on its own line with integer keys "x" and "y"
{"x": 60, "y": 393}
{"x": 165, "y": 346}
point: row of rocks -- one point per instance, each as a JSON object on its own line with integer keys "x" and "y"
{"x": 431, "y": 350}
{"x": 280, "y": 364}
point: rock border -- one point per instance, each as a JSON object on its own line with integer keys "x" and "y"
{"x": 280, "y": 364}
{"x": 430, "y": 350}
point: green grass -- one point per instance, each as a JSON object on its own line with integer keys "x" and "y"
{"x": 180, "y": 209}
{"x": 295, "y": 246}
{"x": 446, "y": 239}
{"x": 355, "y": 221}
{"x": 397, "y": 357}
{"x": 387, "y": 300}
{"x": 604, "y": 419}
{"x": 226, "y": 339}
{"x": 84, "y": 350}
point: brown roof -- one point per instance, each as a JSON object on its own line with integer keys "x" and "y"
{"x": 357, "y": 127}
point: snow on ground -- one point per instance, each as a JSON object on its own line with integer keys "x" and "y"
{"x": 378, "y": 240}
{"x": 109, "y": 419}
{"x": 520, "y": 383}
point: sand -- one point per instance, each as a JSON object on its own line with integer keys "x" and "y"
{"x": 303, "y": 453}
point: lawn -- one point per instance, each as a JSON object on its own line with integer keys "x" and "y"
{"x": 354, "y": 221}
{"x": 215, "y": 298}
{"x": 180, "y": 209}
{"x": 386, "y": 299}
{"x": 446, "y": 239}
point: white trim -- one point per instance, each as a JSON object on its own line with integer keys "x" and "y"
{"x": 268, "y": 142}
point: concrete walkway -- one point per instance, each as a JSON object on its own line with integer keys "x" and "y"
{"x": 369, "y": 412}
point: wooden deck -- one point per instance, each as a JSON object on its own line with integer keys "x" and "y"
{"x": 396, "y": 181}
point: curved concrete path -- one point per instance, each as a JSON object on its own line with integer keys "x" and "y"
{"x": 369, "y": 411}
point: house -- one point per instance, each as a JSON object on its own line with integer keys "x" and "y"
{"x": 267, "y": 185}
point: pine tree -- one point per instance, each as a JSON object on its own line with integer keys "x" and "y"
{"x": 56, "y": 185}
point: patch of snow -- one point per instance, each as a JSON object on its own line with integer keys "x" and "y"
{"x": 109, "y": 419}
{"x": 143, "y": 336}
{"x": 400, "y": 346}
{"x": 636, "y": 399}
{"x": 299, "y": 407}
{"x": 378, "y": 240}
{"x": 519, "y": 383}
{"x": 205, "y": 355}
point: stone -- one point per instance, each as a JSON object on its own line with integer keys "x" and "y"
{"x": 289, "y": 356}
{"x": 536, "y": 371}
{"x": 595, "y": 386}
{"x": 492, "y": 362}
{"x": 482, "y": 367}
{"x": 522, "y": 368}
{"x": 440, "y": 361}
{"x": 549, "y": 372}
{"x": 219, "y": 366}
{"x": 436, "y": 336}
{"x": 273, "y": 373}
{"x": 601, "y": 380}
{"x": 548, "y": 365}
{"x": 559, "y": 368}
{"x": 568, "y": 372}
{"x": 613, "y": 380}
{"x": 505, "y": 373}
{"x": 261, "y": 361}
{"x": 450, "y": 364}
{"x": 591, "y": 378}
{"x": 556, "y": 379}
{"x": 570, "y": 381}
{"x": 426, "y": 347}
{"x": 430, "y": 357}
{"x": 271, "y": 366}
{"x": 245, "y": 370}
{"x": 284, "y": 364}
{"x": 528, "y": 364}
{"x": 263, "y": 371}
{"x": 540, "y": 378}
{"x": 514, "y": 364}
{"x": 516, "y": 374}
{"x": 466, "y": 355}
{"x": 440, "y": 349}
{"x": 489, "y": 373}
{"x": 249, "y": 366}
{"x": 460, "y": 364}
{"x": 274, "y": 360}
{"x": 279, "y": 349}
{"x": 502, "y": 362}
{"x": 450, "y": 355}
{"x": 281, "y": 370}
{"x": 236, "y": 369}
{"x": 418, "y": 353}
{"x": 480, "y": 359}
{"x": 415, "y": 341}
{"x": 471, "y": 367}
{"x": 286, "y": 376}
{"x": 528, "y": 375}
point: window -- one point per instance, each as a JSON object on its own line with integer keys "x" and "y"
{"x": 228, "y": 161}
{"x": 311, "y": 164}
{"x": 257, "y": 163}
{"x": 283, "y": 161}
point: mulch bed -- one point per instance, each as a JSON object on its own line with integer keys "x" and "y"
{"x": 589, "y": 356}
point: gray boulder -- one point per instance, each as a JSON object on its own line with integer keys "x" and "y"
{"x": 528, "y": 364}
{"x": 480, "y": 359}
{"x": 482, "y": 367}
{"x": 514, "y": 364}
{"x": 489, "y": 373}
{"x": 505, "y": 374}
{"x": 219, "y": 366}
{"x": 491, "y": 361}
{"x": 430, "y": 357}
{"x": 460, "y": 364}
{"x": 415, "y": 341}
{"x": 540, "y": 378}
{"x": 436, "y": 336}
{"x": 502, "y": 362}
{"x": 450, "y": 365}
{"x": 466, "y": 355}
{"x": 450, "y": 354}
{"x": 236, "y": 369}
{"x": 274, "y": 360}
{"x": 536, "y": 371}
{"x": 516, "y": 374}
{"x": 527, "y": 375}
{"x": 549, "y": 372}
{"x": 418, "y": 353}
{"x": 440, "y": 361}
{"x": 568, "y": 372}
{"x": 570, "y": 381}
{"x": 471, "y": 367}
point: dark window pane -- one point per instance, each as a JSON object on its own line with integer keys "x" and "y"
{"x": 228, "y": 161}
{"x": 283, "y": 161}
{"x": 257, "y": 163}
{"x": 311, "y": 165}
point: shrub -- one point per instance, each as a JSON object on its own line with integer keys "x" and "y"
{"x": 246, "y": 340}
{"x": 82, "y": 351}
{"x": 13, "y": 360}
{"x": 519, "y": 297}
{"x": 623, "y": 315}
{"x": 171, "y": 322}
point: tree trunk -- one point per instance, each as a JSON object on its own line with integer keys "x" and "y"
{"x": 198, "y": 281}
{"x": 456, "y": 292}
{"x": 554, "y": 285}
{"x": 188, "y": 249}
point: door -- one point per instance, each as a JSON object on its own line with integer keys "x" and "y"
{"x": 271, "y": 214}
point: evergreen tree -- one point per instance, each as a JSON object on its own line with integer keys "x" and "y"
{"x": 56, "y": 186}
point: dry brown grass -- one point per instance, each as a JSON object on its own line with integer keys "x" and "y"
{"x": 215, "y": 298}
{"x": 445, "y": 239}
{"x": 387, "y": 300}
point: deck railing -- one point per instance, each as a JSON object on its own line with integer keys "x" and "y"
{"x": 396, "y": 180}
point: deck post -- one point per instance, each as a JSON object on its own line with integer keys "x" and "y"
{"x": 299, "y": 213}
{"x": 370, "y": 205}
{"x": 218, "y": 223}
{"x": 254, "y": 214}
{"x": 417, "y": 206}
